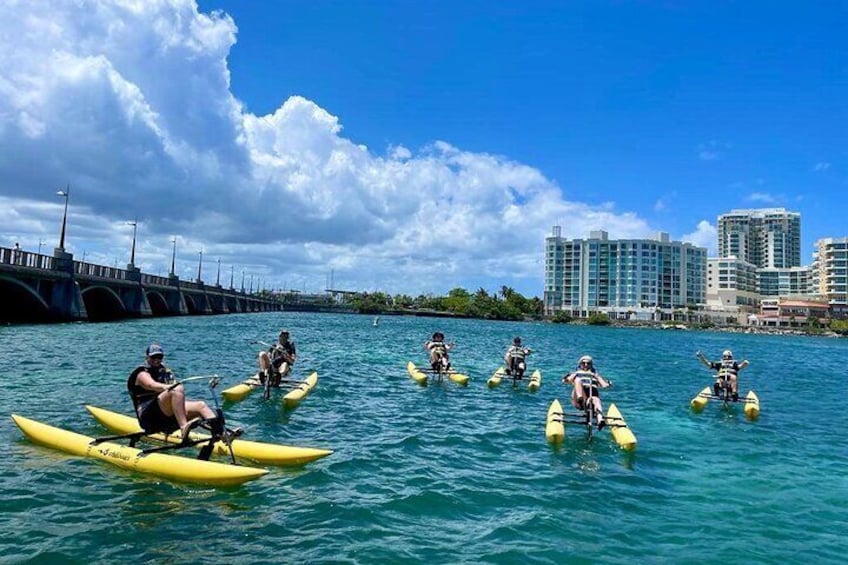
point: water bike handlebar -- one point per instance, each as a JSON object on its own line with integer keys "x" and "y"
{"x": 214, "y": 379}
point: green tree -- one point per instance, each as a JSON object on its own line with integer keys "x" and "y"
{"x": 561, "y": 318}
{"x": 598, "y": 319}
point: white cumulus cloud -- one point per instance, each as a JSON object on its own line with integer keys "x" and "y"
{"x": 705, "y": 235}
{"x": 130, "y": 104}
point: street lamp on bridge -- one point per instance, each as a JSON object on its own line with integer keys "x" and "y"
{"x": 134, "y": 224}
{"x": 65, "y": 194}
{"x": 174, "y": 256}
{"x": 218, "y": 278}
{"x": 200, "y": 264}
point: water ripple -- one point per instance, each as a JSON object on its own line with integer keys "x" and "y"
{"x": 436, "y": 474}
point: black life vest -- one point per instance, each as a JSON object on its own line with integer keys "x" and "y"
{"x": 278, "y": 350}
{"x": 140, "y": 395}
{"x": 728, "y": 367}
{"x": 517, "y": 352}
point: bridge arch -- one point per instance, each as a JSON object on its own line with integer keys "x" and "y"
{"x": 191, "y": 305}
{"x": 103, "y": 303}
{"x": 158, "y": 304}
{"x": 21, "y": 303}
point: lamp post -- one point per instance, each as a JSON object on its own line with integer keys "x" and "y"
{"x": 134, "y": 224}
{"x": 65, "y": 194}
{"x": 40, "y": 244}
{"x": 218, "y": 278}
{"x": 174, "y": 256}
{"x": 200, "y": 264}
{"x": 242, "y": 281}
{"x": 232, "y": 271}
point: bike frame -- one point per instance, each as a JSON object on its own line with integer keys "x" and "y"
{"x": 590, "y": 384}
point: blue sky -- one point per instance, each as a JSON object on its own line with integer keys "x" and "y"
{"x": 413, "y": 147}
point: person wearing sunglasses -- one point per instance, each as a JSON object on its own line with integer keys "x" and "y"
{"x": 159, "y": 401}
{"x": 728, "y": 372}
{"x": 586, "y": 381}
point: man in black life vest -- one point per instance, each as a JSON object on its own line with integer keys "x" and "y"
{"x": 159, "y": 402}
{"x": 277, "y": 362}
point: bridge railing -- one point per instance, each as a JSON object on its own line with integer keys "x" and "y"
{"x": 101, "y": 271}
{"x": 20, "y": 258}
{"x": 154, "y": 279}
{"x": 23, "y": 258}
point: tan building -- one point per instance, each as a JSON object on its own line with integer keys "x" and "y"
{"x": 789, "y": 312}
{"x": 732, "y": 285}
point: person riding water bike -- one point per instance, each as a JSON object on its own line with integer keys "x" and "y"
{"x": 586, "y": 381}
{"x": 277, "y": 362}
{"x": 514, "y": 358}
{"x": 439, "y": 358}
{"x": 160, "y": 402}
{"x": 728, "y": 372}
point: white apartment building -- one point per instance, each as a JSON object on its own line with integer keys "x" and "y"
{"x": 764, "y": 237}
{"x": 830, "y": 270}
{"x": 622, "y": 277}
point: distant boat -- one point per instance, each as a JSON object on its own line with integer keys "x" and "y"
{"x": 376, "y": 321}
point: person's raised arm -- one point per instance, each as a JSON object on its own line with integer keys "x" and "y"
{"x": 743, "y": 364}
{"x": 703, "y": 360}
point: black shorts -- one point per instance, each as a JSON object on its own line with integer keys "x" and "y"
{"x": 590, "y": 391}
{"x": 153, "y": 420}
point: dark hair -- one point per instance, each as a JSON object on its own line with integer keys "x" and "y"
{"x": 516, "y": 340}
{"x": 438, "y": 335}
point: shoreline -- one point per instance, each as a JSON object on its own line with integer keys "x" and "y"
{"x": 759, "y": 330}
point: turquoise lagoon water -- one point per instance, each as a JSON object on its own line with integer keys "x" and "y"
{"x": 437, "y": 474}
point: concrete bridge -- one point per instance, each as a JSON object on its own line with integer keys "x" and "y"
{"x": 41, "y": 288}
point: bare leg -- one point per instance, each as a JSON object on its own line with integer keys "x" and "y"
{"x": 173, "y": 403}
{"x": 264, "y": 362}
{"x": 195, "y": 408}
{"x": 577, "y": 396}
{"x": 599, "y": 411}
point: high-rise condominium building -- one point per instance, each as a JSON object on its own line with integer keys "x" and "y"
{"x": 603, "y": 275}
{"x": 830, "y": 270}
{"x": 765, "y": 237}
